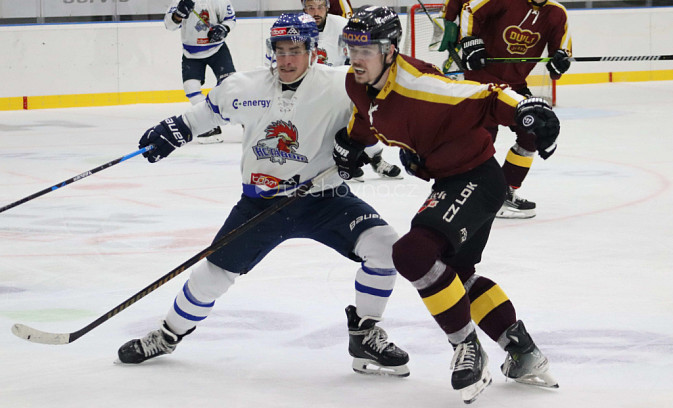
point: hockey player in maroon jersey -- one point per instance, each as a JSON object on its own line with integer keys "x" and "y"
{"x": 506, "y": 29}
{"x": 341, "y": 8}
{"x": 438, "y": 125}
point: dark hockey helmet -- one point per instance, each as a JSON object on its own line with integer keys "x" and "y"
{"x": 373, "y": 25}
{"x": 295, "y": 27}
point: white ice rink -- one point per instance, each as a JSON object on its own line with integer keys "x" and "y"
{"x": 591, "y": 275}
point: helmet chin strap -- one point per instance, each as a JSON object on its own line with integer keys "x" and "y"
{"x": 386, "y": 65}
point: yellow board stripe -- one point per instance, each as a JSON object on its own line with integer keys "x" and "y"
{"x": 123, "y": 98}
{"x": 517, "y": 160}
{"x": 485, "y": 303}
{"x": 446, "y": 298}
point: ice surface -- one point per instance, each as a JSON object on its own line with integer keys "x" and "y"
{"x": 590, "y": 275}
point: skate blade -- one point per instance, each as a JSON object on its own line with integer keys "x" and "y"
{"x": 471, "y": 392}
{"x": 209, "y": 140}
{"x": 513, "y": 214}
{"x": 369, "y": 367}
{"x": 544, "y": 380}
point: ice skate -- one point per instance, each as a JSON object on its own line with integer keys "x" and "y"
{"x": 525, "y": 363}
{"x": 385, "y": 169}
{"x": 371, "y": 352}
{"x": 470, "y": 372}
{"x": 154, "y": 344}
{"x": 210, "y": 137}
{"x": 516, "y": 207}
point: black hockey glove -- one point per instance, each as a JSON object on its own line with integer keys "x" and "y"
{"x": 535, "y": 115}
{"x": 168, "y": 135}
{"x": 348, "y": 154}
{"x": 184, "y": 8}
{"x": 411, "y": 161}
{"x": 559, "y": 64}
{"x": 474, "y": 53}
{"x": 217, "y": 33}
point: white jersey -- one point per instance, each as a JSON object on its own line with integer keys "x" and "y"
{"x": 329, "y": 51}
{"x": 288, "y": 136}
{"x": 194, "y": 31}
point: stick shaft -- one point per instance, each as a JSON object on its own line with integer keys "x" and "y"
{"x": 76, "y": 178}
{"x": 586, "y": 59}
{"x": 37, "y": 336}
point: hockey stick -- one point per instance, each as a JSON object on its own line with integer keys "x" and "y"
{"x": 577, "y": 59}
{"x": 38, "y": 336}
{"x": 77, "y": 177}
{"x": 452, "y": 50}
{"x": 586, "y": 59}
{"x": 200, "y": 18}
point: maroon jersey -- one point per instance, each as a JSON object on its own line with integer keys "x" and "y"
{"x": 514, "y": 28}
{"x": 451, "y": 9}
{"x": 441, "y": 120}
{"x": 341, "y": 8}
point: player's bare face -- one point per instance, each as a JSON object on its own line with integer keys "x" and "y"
{"x": 316, "y": 9}
{"x": 366, "y": 61}
{"x": 292, "y": 60}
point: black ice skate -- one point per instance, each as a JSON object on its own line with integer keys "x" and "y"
{"x": 525, "y": 363}
{"x": 154, "y": 344}
{"x": 383, "y": 168}
{"x": 371, "y": 352}
{"x": 516, "y": 207}
{"x": 210, "y": 137}
{"x": 470, "y": 372}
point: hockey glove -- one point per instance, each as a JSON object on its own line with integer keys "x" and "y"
{"x": 535, "y": 115}
{"x": 411, "y": 161}
{"x": 217, "y": 33}
{"x": 348, "y": 154}
{"x": 474, "y": 53}
{"x": 168, "y": 135}
{"x": 559, "y": 64}
{"x": 184, "y": 8}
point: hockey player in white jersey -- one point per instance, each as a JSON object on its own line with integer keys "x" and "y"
{"x": 332, "y": 52}
{"x": 203, "y": 25}
{"x": 288, "y": 139}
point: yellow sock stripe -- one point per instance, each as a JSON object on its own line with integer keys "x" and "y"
{"x": 488, "y": 301}
{"x": 446, "y": 298}
{"x": 517, "y": 160}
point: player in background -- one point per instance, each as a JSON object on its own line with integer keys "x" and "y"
{"x": 437, "y": 124}
{"x": 330, "y": 52}
{"x": 514, "y": 28}
{"x": 203, "y": 25}
{"x": 341, "y": 8}
{"x": 288, "y": 139}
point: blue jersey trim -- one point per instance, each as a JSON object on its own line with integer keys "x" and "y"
{"x": 199, "y": 48}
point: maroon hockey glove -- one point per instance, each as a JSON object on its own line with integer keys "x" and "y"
{"x": 168, "y": 135}
{"x": 535, "y": 115}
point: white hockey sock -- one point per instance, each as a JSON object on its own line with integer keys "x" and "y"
{"x": 197, "y": 297}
